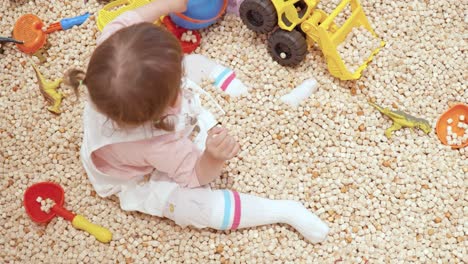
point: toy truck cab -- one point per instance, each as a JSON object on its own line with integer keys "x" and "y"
{"x": 286, "y": 45}
{"x": 295, "y": 25}
{"x": 292, "y": 13}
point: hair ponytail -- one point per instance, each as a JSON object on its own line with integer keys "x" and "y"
{"x": 166, "y": 123}
{"x": 75, "y": 78}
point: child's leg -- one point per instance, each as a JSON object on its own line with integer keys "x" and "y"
{"x": 224, "y": 209}
{"x": 198, "y": 67}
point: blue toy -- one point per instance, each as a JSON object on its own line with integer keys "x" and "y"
{"x": 67, "y": 23}
{"x": 200, "y": 14}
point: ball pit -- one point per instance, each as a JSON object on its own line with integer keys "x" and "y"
{"x": 387, "y": 201}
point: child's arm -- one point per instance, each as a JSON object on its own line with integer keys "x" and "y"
{"x": 147, "y": 13}
{"x": 154, "y": 10}
{"x": 220, "y": 146}
{"x": 179, "y": 159}
{"x": 208, "y": 169}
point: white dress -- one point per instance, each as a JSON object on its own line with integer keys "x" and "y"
{"x": 141, "y": 194}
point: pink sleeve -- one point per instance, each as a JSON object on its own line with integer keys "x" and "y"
{"x": 124, "y": 20}
{"x": 167, "y": 153}
{"x": 178, "y": 159}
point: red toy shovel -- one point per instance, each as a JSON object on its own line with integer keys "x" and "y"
{"x": 55, "y": 192}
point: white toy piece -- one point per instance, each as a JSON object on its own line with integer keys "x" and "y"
{"x": 461, "y": 118}
{"x": 198, "y": 67}
{"x": 449, "y": 121}
{"x": 300, "y": 93}
{"x": 206, "y": 121}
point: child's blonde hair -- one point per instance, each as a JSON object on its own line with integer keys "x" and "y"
{"x": 134, "y": 75}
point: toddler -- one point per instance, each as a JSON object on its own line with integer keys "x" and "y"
{"x": 137, "y": 122}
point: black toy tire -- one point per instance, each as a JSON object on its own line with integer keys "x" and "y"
{"x": 259, "y": 15}
{"x": 292, "y": 44}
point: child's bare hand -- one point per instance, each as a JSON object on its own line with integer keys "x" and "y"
{"x": 177, "y": 6}
{"x": 220, "y": 145}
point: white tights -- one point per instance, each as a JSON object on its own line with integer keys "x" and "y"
{"x": 225, "y": 209}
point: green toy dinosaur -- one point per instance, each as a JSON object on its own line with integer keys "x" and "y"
{"x": 401, "y": 120}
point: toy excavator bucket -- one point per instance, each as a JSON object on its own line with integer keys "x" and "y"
{"x": 331, "y": 36}
{"x": 115, "y": 8}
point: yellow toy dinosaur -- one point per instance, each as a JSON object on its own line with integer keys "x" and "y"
{"x": 401, "y": 120}
{"x": 49, "y": 91}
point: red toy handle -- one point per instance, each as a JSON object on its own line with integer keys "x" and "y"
{"x": 60, "y": 211}
{"x": 54, "y": 27}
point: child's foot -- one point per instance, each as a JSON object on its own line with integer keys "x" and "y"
{"x": 225, "y": 79}
{"x": 305, "y": 222}
{"x": 199, "y": 67}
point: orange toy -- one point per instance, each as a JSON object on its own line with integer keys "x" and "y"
{"x": 28, "y": 29}
{"x": 453, "y": 113}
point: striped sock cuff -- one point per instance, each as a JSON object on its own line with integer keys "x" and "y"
{"x": 232, "y": 210}
{"x": 223, "y": 77}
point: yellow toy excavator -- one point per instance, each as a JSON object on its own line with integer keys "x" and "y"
{"x": 295, "y": 25}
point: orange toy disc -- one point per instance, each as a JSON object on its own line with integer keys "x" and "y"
{"x": 453, "y": 113}
{"x": 28, "y": 28}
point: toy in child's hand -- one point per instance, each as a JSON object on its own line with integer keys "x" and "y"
{"x": 49, "y": 91}
{"x": 44, "y": 200}
{"x": 452, "y": 126}
{"x": 67, "y": 23}
{"x": 402, "y": 120}
{"x": 206, "y": 121}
